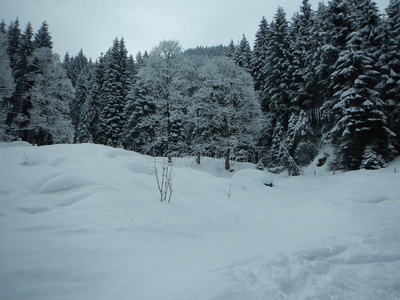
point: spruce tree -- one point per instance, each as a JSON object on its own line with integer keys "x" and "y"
{"x": 43, "y": 37}
{"x": 13, "y": 36}
{"x": 87, "y": 92}
{"x": 279, "y": 158}
{"x": 389, "y": 63}
{"x": 276, "y": 95}
{"x": 260, "y": 55}
{"x": 301, "y": 140}
{"x": 114, "y": 91}
{"x": 243, "y": 54}
{"x": 357, "y": 114}
{"x": 303, "y": 85}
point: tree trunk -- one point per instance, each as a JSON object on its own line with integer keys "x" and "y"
{"x": 198, "y": 158}
{"x": 227, "y": 159}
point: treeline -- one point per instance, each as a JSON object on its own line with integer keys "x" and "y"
{"x": 328, "y": 76}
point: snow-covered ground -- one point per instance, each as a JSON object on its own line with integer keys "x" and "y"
{"x": 85, "y": 222}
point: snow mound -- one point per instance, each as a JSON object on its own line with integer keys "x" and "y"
{"x": 62, "y": 183}
{"x": 86, "y": 222}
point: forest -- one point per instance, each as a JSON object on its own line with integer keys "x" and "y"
{"x": 326, "y": 77}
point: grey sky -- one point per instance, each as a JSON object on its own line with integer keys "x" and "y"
{"x": 93, "y": 24}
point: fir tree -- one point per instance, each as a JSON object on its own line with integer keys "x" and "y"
{"x": 87, "y": 91}
{"x": 301, "y": 141}
{"x": 243, "y": 54}
{"x": 389, "y": 63}
{"x": 115, "y": 91}
{"x": 3, "y": 27}
{"x": 13, "y": 36}
{"x": 357, "y": 118}
{"x": 303, "y": 85}
{"x": 276, "y": 94}
{"x": 43, "y": 37}
{"x": 231, "y": 49}
{"x": 260, "y": 54}
{"x": 279, "y": 158}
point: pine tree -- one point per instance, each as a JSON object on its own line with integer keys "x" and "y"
{"x": 337, "y": 24}
{"x": 115, "y": 91}
{"x": 243, "y": 54}
{"x": 3, "y": 27}
{"x": 279, "y": 158}
{"x": 389, "y": 63}
{"x": 43, "y": 37}
{"x": 260, "y": 54}
{"x": 357, "y": 111}
{"x": 276, "y": 95}
{"x": 75, "y": 65}
{"x": 87, "y": 91}
{"x": 232, "y": 49}
{"x": 139, "y": 127}
{"x": 301, "y": 141}
{"x": 303, "y": 85}
{"x": 14, "y": 36}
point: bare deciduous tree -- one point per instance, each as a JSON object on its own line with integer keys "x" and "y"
{"x": 164, "y": 180}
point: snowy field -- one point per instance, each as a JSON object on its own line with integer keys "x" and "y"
{"x": 85, "y": 222}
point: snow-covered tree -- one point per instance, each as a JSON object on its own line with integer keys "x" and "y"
{"x": 301, "y": 139}
{"x": 157, "y": 103}
{"x": 42, "y": 37}
{"x": 88, "y": 112}
{"x": 227, "y": 112}
{"x": 259, "y": 54}
{"x": 115, "y": 91}
{"x": 7, "y": 86}
{"x": 302, "y": 32}
{"x": 13, "y": 37}
{"x": 50, "y": 96}
{"x": 276, "y": 94}
{"x": 372, "y": 160}
{"x": 243, "y": 54}
{"x": 389, "y": 63}
{"x": 279, "y": 158}
{"x": 356, "y": 115}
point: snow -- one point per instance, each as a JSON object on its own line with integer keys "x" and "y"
{"x": 85, "y": 222}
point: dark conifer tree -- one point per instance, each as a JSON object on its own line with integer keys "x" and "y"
{"x": 87, "y": 91}
{"x": 115, "y": 91}
{"x": 260, "y": 54}
{"x": 13, "y": 36}
{"x": 3, "y": 27}
{"x": 43, "y": 37}
{"x": 243, "y": 54}
{"x": 389, "y": 68}
{"x": 276, "y": 94}
{"x": 357, "y": 114}
{"x": 231, "y": 49}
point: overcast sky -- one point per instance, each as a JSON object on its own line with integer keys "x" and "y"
{"x": 93, "y": 24}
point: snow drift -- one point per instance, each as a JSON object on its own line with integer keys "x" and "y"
{"x": 85, "y": 222}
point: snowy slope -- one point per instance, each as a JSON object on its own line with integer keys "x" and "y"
{"x": 85, "y": 222}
